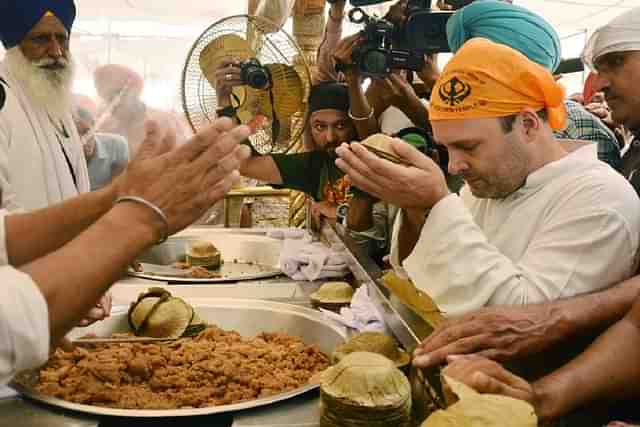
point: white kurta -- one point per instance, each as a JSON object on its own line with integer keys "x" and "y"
{"x": 572, "y": 229}
{"x": 33, "y": 170}
{"x": 24, "y": 324}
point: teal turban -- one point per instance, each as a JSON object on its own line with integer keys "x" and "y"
{"x": 508, "y": 24}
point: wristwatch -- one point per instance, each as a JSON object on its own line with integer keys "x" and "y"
{"x": 228, "y": 111}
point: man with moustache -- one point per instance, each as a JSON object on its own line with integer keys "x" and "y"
{"x": 41, "y": 158}
{"x": 607, "y": 371}
{"x": 534, "y": 222}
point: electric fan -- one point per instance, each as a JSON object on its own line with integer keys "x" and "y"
{"x": 273, "y": 99}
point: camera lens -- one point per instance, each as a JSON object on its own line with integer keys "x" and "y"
{"x": 375, "y": 62}
{"x": 254, "y": 75}
{"x": 257, "y": 78}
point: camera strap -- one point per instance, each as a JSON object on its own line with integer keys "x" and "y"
{"x": 275, "y": 123}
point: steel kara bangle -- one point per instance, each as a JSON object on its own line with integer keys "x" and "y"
{"x": 157, "y": 210}
{"x": 360, "y": 119}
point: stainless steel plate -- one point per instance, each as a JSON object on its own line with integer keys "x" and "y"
{"x": 245, "y": 256}
{"x": 248, "y": 317}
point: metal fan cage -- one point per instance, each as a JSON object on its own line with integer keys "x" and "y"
{"x": 272, "y": 46}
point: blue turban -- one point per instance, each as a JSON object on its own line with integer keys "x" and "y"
{"x": 507, "y": 24}
{"x": 18, "y": 17}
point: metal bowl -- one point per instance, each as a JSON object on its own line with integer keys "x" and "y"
{"x": 245, "y": 257}
{"x": 248, "y": 317}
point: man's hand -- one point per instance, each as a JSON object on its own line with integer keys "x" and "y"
{"x": 101, "y": 311}
{"x": 416, "y": 186}
{"x": 186, "y": 181}
{"x": 343, "y": 55}
{"x": 227, "y": 77}
{"x": 498, "y": 333}
{"x": 321, "y": 210}
{"x": 486, "y": 376}
{"x": 430, "y": 72}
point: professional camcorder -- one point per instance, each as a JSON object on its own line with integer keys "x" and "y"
{"x": 398, "y": 43}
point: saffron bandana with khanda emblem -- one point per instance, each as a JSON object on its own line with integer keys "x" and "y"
{"x": 489, "y": 80}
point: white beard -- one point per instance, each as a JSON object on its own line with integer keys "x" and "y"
{"x": 48, "y": 89}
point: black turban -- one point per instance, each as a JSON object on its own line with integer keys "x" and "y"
{"x": 329, "y": 96}
{"x": 18, "y": 17}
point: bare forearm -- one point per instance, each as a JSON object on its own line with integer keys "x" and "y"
{"x": 607, "y": 370}
{"x": 593, "y": 312}
{"x": 417, "y": 112}
{"x": 74, "y": 277}
{"x": 32, "y": 235}
{"x": 366, "y": 123}
{"x": 262, "y": 168}
{"x": 360, "y": 217}
{"x": 412, "y": 223}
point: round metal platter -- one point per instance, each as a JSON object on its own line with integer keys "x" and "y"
{"x": 248, "y": 317}
{"x": 245, "y": 257}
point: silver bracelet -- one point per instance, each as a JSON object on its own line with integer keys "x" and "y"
{"x": 154, "y": 208}
{"x": 359, "y": 119}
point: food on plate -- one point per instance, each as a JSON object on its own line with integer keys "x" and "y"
{"x": 332, "y": 295}
{"x": 373, "y": 342}
{"x": 481, "y": 410}
{"x": 380, "y": 145}
{"x": 201, "y": 253}
{"x": 216, "y": 367}
{"x": 158, "y": 314}
{"x": 365, "y": 389}
{"x": 203, "y": 273}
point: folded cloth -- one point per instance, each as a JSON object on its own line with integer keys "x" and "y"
{"x": 302, "y": 259}
{"x": 286, "y": 233}
{"x": 361, "y": 315}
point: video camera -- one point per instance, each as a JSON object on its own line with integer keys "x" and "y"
{"x": 398, "y": 44}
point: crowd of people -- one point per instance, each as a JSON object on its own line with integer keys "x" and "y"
{"x": 515, "y": 206}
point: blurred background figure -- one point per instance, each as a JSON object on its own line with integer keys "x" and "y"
{"x": 107, "y": 154}
{"x": 123, "y": 112}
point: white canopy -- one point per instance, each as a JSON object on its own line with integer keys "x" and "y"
{"x": 154, "y": 36}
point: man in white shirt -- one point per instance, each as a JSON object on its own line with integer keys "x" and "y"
{"x": 61, "y": 262}
{"x": 41, "y": 159}
{"x": 534, "y": 222}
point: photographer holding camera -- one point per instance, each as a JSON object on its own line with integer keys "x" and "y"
{"x": 312, "y": 172}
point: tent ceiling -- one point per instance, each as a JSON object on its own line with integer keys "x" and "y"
{"x": 567, "y": 15}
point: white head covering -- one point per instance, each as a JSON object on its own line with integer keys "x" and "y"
{"x": 622, "y": 34}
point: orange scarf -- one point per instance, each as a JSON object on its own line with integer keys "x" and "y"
{"x": 486, "y": 80}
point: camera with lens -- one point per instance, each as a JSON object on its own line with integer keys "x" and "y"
{"x": 255, "y": 75}
{"x": 390, "y": 43}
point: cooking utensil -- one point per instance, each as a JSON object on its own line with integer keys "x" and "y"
{"x": 248, "y": 317}
{"x": 245, "y": 257}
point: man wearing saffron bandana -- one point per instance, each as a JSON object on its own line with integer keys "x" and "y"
{"x": 531, "y": 224}
{"x": 41, "y": 158}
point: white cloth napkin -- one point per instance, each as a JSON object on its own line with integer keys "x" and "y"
{"x": 302, "y": 259}
{"x": 286, "y": 233}
{"x": 361, "y": 315}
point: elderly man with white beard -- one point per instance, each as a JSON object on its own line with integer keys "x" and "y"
{"x": 41, "y": 158}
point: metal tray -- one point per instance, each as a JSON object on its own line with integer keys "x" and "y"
{"x": 248, "y": 317}
{"x": 245, "y": 256}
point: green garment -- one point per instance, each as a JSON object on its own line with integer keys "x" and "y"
{"x": 314, "y": 173}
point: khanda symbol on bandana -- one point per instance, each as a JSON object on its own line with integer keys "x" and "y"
{"x": 454, "y": 91}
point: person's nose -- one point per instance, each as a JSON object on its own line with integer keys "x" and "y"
{"x": 332, "y": 135}
{"x": 457, "y": 163}
{"x": 54, "y": 48}
{"x": 601, "y": 82}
